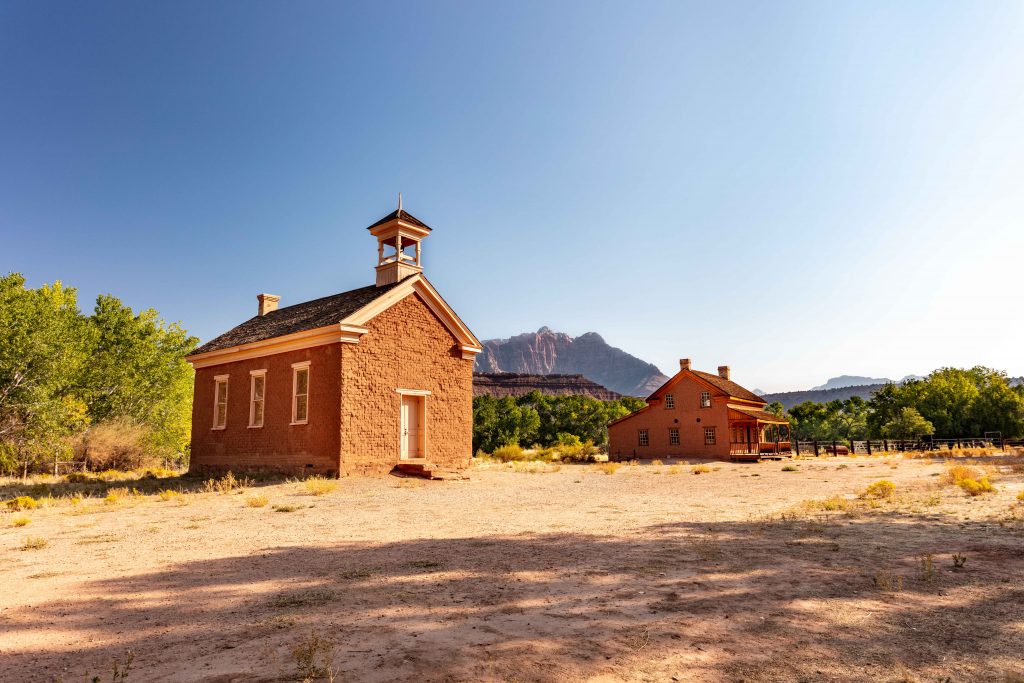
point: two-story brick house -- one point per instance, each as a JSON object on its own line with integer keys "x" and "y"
{"x": 699, "y": 415}
{"x": 360, "y": 381}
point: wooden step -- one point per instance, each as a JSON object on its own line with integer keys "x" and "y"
{"x": 428, "y": 471}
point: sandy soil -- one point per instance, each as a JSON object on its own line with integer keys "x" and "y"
{"x": 559, "y": 576}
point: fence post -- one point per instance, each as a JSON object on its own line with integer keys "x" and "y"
{"x": 815, "y": 448}
{"x": 835, "y": 450}
{"x": 869, "y": 445}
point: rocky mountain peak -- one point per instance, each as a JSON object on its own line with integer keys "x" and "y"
{"x": 547, "y": 352}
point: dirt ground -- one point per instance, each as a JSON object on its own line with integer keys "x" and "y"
{"x": 651, "y": 573}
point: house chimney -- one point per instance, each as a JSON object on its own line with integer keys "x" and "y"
{"x": 268, "y": 303}
{"x": 684, "y": 363}
{"x": 723, "y": 371}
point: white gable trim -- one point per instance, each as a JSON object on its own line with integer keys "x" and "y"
{"x": 418, "y": 284}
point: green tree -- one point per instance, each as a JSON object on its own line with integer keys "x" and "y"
{"x": 909, "y": 424}
{"x": 138, "y": 372}
{"x": 42, "y": 352}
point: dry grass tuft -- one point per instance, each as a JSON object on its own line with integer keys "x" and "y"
{"x": 256, "y": 501}
{"x": 168, "y": 494}
{"x": 319, "y": 486}
{"x": 886, "y": 581}
{"x": 657, "y": 463}
{"x": 956, "y": 473}
{"x": 20, "y": 521}
{"x": 700, "y": 469}
{"x": 830, "y": 504}
{"x": 608, "y": 467}
{"x": 673, "y": 469}
{"x": 34, "y": 543}
{"x": 285, "y": 508}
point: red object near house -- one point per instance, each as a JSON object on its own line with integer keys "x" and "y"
{"x": 360, "y": 381}
{"x": 699, "y": 415}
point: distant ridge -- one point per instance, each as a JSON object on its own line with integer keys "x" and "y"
{"x": 502, "y": 384}
{"x": 788, "y": 399}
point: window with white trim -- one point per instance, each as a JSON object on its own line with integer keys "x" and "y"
{"x": 257, "y": 393}
{"x": 670, "y": 401}
{"x": 643, "y": 438}
{"x": 220, "y": 402}
{"x": 300, "y": 393}
{"x": 673, "y": 436}
{"x": 705, "y": 399}
{"x": 709, "y": 436}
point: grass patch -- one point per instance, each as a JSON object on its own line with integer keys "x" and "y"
{"x": 22, "y": 503}
{"x": 168, "y": 494}
{"x": 882, "y": 489}
{"x": 700, "y": 469}
{"x": 20, "y": 521}
{"x": 256, "y": 501}
{"x": 830, "y": 504}
{"x": 888, "y": 582}
{"x": 34, "y": 543}
{"x": 608, "y": 467}
{"x": 976, "y": 487}
{"x": 285, "y": 508}
{"x": 790, "y": 468}
{"x": 319, "y": 486}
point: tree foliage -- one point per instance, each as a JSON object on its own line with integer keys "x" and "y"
{"x": 949, "y": 403}
{"x": 536, "y": 418}
{"x": 62, "y": 371}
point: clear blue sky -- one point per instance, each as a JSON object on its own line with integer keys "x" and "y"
{"x": 796, "y": 189}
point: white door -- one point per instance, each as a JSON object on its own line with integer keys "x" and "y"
{"x": 412, "y": 427}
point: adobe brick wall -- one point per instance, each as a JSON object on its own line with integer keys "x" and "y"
{"x": 278, "y": 445}
{"x": 688, "y": 416}
{"x": 406, "y": 347}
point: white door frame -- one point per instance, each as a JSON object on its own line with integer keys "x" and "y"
{"x": 422, "y": 394}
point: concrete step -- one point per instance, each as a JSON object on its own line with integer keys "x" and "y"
{"x": 428, "y": 471}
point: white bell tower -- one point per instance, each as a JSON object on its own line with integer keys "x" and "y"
{"x": 396, "y": 233}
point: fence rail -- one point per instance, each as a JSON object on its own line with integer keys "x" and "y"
{"x": 870, "y": 446}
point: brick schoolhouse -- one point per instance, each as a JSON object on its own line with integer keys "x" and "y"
{"x": 699, "y": 415}
{"x": 360, "y": 381}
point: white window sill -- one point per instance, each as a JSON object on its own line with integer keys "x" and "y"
{"x": 303, "y": 422}
{"x": 255, "y": 426}
{"x": 218, "y": 429}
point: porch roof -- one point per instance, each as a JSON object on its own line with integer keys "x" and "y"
{"x": 745, "y": 413}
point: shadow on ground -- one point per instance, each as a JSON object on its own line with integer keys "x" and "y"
{"x": 761, "y": 600}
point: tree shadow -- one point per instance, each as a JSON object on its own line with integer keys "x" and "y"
{"x": 763, "y": 599}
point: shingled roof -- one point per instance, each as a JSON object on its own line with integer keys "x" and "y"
{"x": 297, "y": 318}
{"x": 728, "y": 386}
{"x": 404, "y": 215}
{"x": 761, "y": 415}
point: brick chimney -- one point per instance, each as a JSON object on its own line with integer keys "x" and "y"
{"x": 268, "y": 303}
{"x": 723, "y": 371}
{"x": 684, "y": 363}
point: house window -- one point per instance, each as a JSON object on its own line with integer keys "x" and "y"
{"x": 709, "y": 436}
{"x": 257, "y": 391}
{"x": 673, "y": 437}
{"x": 220, "y": 402}
{"x": 705, "y": 399}
{"x": 670, "y": 401}
{"x": 300, "y": 393}
{"x": 644, "y": 441}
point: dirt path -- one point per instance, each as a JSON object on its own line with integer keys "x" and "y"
{"x": 566, "y": 575}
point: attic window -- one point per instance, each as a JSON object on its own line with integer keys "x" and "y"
{"x": 705, "y": 399}
{"x": 670, "y": 401}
